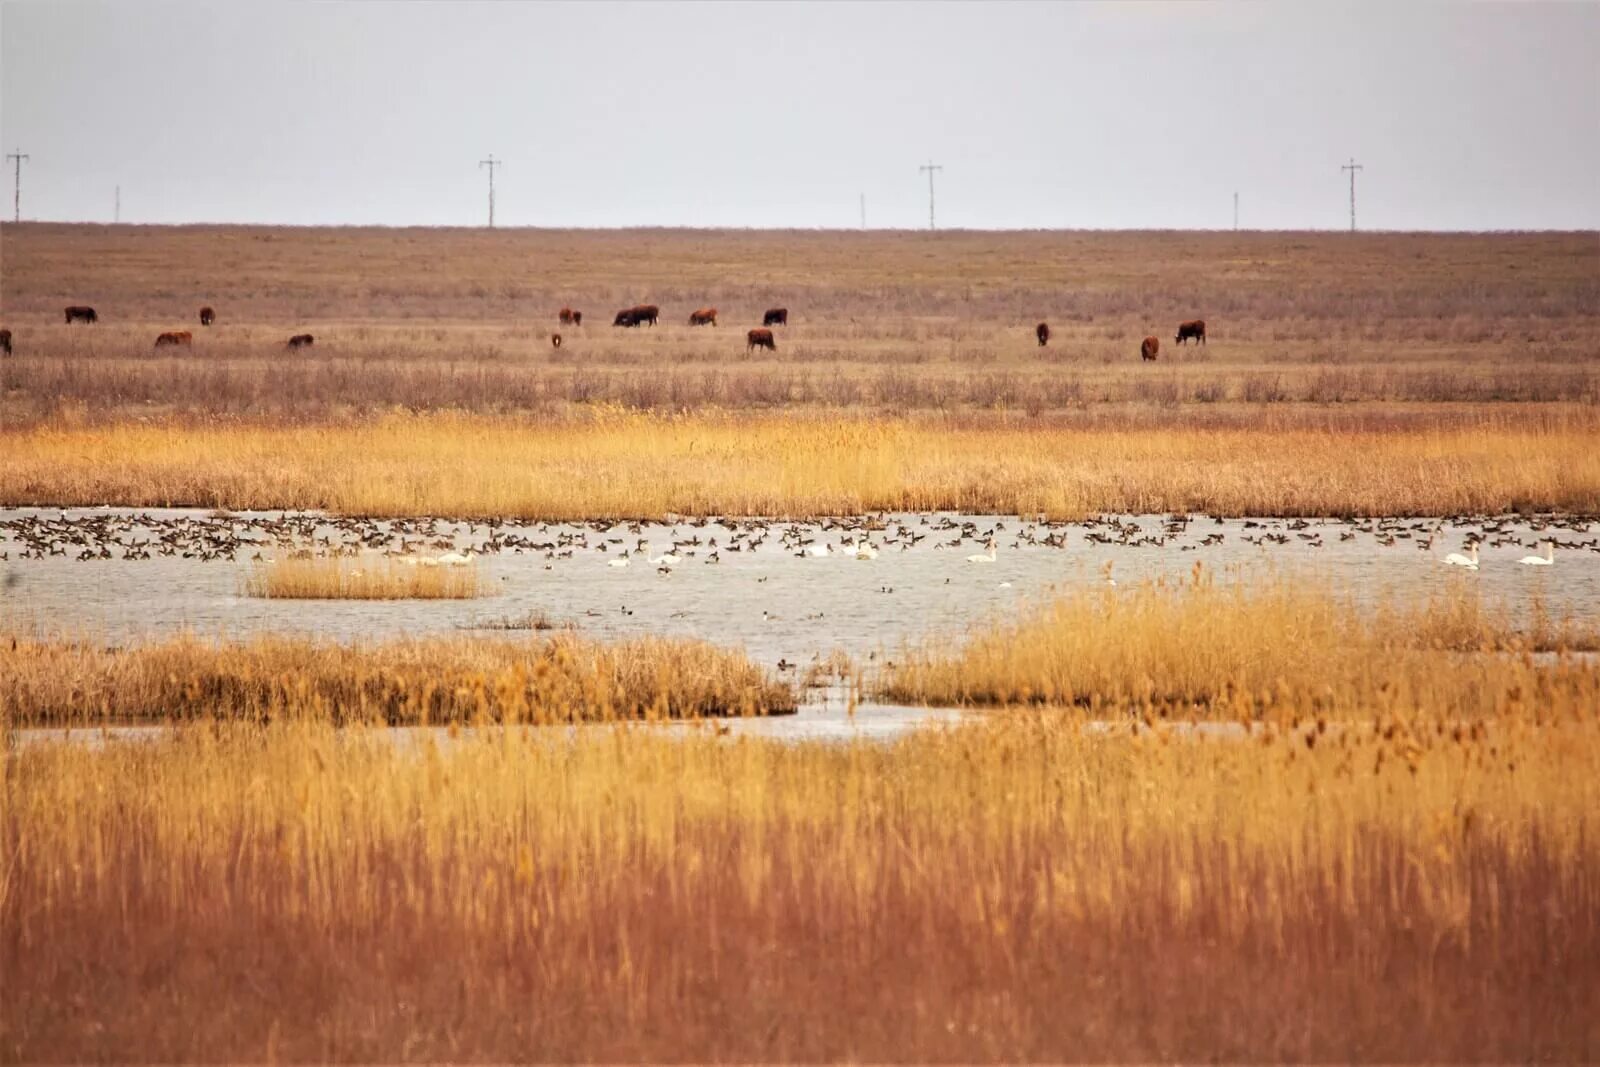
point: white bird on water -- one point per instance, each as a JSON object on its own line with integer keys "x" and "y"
{"x": 456, "y": 559}
{"x": 816, "y": 551}
{"x": 866, "y": 550}
{"x": 620, "y": 562}
{"x": 984, "y": 558}
{"x": 1469, "y": 561}
{"x": 666, "y": 558}
{"x": 1546, "y": 560}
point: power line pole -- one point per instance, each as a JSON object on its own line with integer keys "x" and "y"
{"x": 16, "y": 201}
{"x": 1352, "y": 167}
{"x": 1236, "y": 212}
{"x": 930, "y": 167}
{"x": 117, "y": 217}
{"x": 491, "y": 163}
{"x": 863, "y": 211}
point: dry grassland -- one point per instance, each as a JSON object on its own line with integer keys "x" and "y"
{"x": 641, "y": 466}
{"x": 1405, "y": 890}
{"x": 880, "y": 322}
{"x": 561, "y": 678}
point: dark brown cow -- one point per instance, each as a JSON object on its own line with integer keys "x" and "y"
{"x": 79, "y": 313}
{"x": 207, "y": 316}
{"x": 646, "y": 313}
{"x": 1042, "y": 332}
{"x": 577, "y": 318}
{"x": 555, "y": 340}
{"x": 775, "y": 317}
{"x": 301, "y": 340}
{"x": 1150, "y": 349}
{"x": 703, "y": 317}
{"x": 625, "y": 317}
{"x": 1195, "y": 328}
{"x": 5, "y": 341}
{"x": 565, "y": 316}
{"x": 761, "y": 337}
{"x": 177, "y": 337}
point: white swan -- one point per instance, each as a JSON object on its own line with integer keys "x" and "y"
{"x": 984, "y": 558}
{"x": 668, "y": 557}
{"x": 821, "y": 551}
{"x": 866, "y": 550}
{"x": 1469, "y": 561}
{"x": 622, "y": 562}
{"x": 454, "y": 559}
{"x": 1546, "y": 560}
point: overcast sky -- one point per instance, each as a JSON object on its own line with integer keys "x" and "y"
{"x": 1043, "y": 115}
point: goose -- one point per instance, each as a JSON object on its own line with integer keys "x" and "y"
{"x": 1546, "y": 560}
{"x": 1469, "y": 561}
{"x": 984, "y": 557}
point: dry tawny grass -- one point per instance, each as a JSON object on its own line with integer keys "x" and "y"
{"x": 1402, "y": 890}
{"x": 460, "y": 320}
{"x": 358, "y": 578}
{"x": 413, "y": 682}
{"x": 628, "y": 465}
{"x": 1245, "y": 652}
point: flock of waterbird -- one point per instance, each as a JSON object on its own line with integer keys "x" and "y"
{"x": 438, "y": 542}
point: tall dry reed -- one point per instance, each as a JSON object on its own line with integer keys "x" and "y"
{"x": 564, "y": 677}
{"x": 1249, "y": 651}
{"x": 616, "y": 464}
{"x": 1021, "y": 890}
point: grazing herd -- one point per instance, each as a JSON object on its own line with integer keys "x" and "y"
{"x": 638, "y": 315}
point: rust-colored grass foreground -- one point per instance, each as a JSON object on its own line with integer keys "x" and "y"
{"x": 1261, "y": 650}
{"x": 1024, "y": 889}
{"x": 559, "y": 678}
{"x": 362, "y": 578}
{"x": 632, "y": 465}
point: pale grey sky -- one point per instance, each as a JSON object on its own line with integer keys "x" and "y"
{"x": 1119, "y": 115}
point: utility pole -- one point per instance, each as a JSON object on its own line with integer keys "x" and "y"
{"x": 930, "y": 167}
{"x": 491, "y": 163}
{"x": 1352, "y": 167}
{"x": 117, "y": 217}
{"x": 1235, "y": 212}
{"x": 863, "y": 211}
{"x": 16, "y": 201}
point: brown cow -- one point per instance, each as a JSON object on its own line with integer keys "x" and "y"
{"x": 207, "y": 316}
{"x": 178, "y": 337}
{"x": 775, "y": 317}
{"x": 565, "y": 316}
{"x": 761, "y": 337}
{"x": 555, "y": 340}
{"x": 645, "y": 313}
{"x": 1042, "y": 331}
{"x": 1150, "y": 348}
{"x": 79, "y": 313}
{"x": 301, "y": 340}
{"x": 703, "y": 317}
{"x": 577, "y": 318}
{"x": 5, "y": 342}
{"x": 1195, "y": 328}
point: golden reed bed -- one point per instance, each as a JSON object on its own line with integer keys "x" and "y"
{"x": 559, "y": 678}
{"x": 1272, "y": 650}
{"x": 362, "y": 578}
{"x": 630, "y": 465}
{"x": 1016, "y": 890}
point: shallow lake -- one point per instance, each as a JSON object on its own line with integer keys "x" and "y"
{"x": 758, "y": 594}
